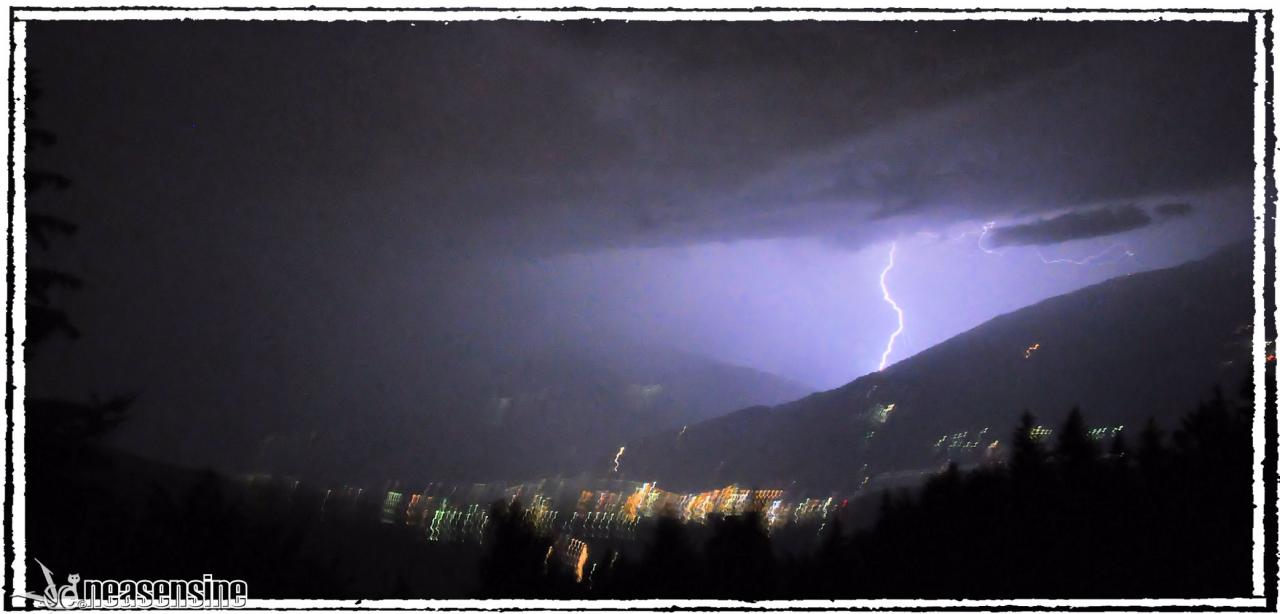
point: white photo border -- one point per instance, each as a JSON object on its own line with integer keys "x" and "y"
{"x": 1265, "y": 448}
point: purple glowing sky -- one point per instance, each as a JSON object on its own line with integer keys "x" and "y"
{"x": 812, "y": 310}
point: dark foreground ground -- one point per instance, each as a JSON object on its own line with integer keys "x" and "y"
{"x": 1164, "y": 515}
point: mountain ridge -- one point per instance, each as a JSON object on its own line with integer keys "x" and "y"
{"x": 1164, "y": 338}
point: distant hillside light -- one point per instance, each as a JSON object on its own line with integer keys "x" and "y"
{"x": 880, "y": 413}
{"x": 1031, "y": 350}
{"x": 618, "y": 458}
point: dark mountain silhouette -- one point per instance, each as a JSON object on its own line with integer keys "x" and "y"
{"x": 553, "y": 410}
{"x": 1126, "y": 349}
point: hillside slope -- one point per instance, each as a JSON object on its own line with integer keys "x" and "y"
{"x": 1133, "y": 347}
{"x": 532, "y": 413}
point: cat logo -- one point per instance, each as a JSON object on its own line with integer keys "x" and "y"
{"x": 55, "y": 597}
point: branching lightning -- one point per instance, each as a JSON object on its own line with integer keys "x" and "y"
{"x": 1113, "y": 253}
{"x": 1128, "y": 253}
{"x": 1125, "y": 251}
{"x": 884, "y": 289}
{"x": 985, "y": 229}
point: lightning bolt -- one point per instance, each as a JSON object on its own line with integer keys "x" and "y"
{"x": 985, "y": 229}
{"x": 618, "y": 458}
{"x": 1091, "y": 259}
{"x": 884, "y": 289}
{"x": 1088, "y": 259}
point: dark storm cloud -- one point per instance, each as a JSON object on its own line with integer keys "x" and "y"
{"x": 1168, "y": 210}
{"x": 483, "y": 138}
{"x": 871, "y": 149}
{"x": 1071, "y": 226}
{"x": 1131, "y": 113}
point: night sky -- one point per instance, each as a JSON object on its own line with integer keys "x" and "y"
{"x": 278, "y": 219}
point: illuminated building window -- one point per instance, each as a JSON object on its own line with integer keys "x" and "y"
{"x": 1105, "y": 432}
{"x": 411, "y": 514}
{"x": 389, "y": 506}
{"x": 963, "y": 440}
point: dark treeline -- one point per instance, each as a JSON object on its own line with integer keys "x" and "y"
{"x": 1169, "y": 516}
{"x": 1163, "y": 516}
{"x": 104, "y": 515}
